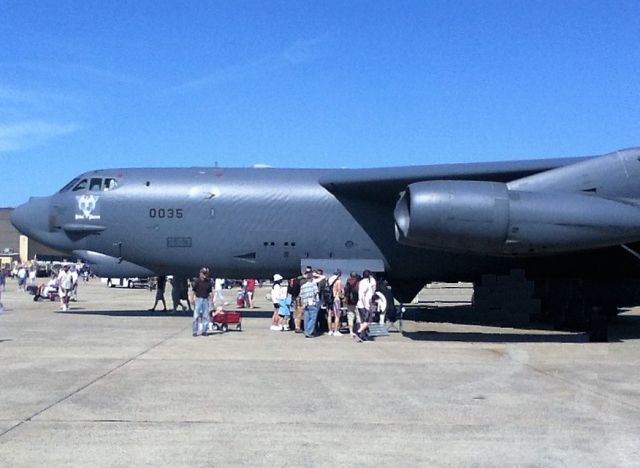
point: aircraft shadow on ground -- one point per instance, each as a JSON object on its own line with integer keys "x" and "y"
{"x": 625, "y": 328}
{"x": 255, "y": 313}
{"x": 497, "y": 337}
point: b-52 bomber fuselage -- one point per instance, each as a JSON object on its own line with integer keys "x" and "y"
{"x": 555, "y": 219}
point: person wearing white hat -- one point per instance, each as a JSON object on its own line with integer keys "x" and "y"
{"x": 278, "y": 293}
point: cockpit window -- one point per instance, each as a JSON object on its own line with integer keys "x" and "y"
{"x": 96, "y": 184}
{"x": 67, "y": 187}
{"x": 82, "y": 185}
{"x": 110, "y": 184}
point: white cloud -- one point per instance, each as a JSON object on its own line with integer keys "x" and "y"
{"x": 303, "y": 50}
{"x": 299, "y": 52}
{"x": 226, "y": 74}
{"x": 78, "y": 71}
{"x": 27, "y": 134}
{"x": 13, "y": 95}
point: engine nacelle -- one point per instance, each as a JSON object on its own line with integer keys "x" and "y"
{"x": 488, "y": 218}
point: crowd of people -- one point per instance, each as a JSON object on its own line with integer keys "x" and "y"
{"x": 62, "y": 284}
{"x": 314, "y": 303}
{"x": 311, "y": 304}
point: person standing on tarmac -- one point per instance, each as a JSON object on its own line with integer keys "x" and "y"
{"x": 278, "y": 293}
{"x": 334, "y": 309}
{"x": 249, "y": 290}
{"x": 65, "y": 283}
{"x": 74, "y": 276}
{"x": 178, "y": 286}
{"x": 162, "y": 284}
{"x": 201, "y": 298}
{"x": 366, "y": 290}
{"x": 310, "y": 302}
{"x": 351, "y": 298}
{"x": 218, "y": 296}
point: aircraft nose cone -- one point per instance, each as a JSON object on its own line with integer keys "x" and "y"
{"x": 31, "y": 216}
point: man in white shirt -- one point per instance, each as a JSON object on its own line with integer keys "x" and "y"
{"x": 22, "y": 278}
{"x": 65, "y": 282}
{"x": 366, "y": 290}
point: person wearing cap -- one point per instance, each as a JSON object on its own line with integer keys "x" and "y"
{"x": 278, "y": 294}
{"x": 65, "y": 284}
{"x": 200, "y": 298}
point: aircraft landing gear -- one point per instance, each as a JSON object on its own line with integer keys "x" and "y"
{"x": 577, "y": 304}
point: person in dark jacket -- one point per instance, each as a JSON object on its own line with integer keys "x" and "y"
{"x": 162, "y": 284}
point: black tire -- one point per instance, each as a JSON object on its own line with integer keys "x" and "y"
{"x": 110, "y": 284}
{"x": 130, "y": 284}
{"x": 239, "y": 327}
{"x": 599, "y": 329}
{"x": 225, "y": 327}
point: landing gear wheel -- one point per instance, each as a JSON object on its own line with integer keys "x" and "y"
{"x": 599, "y": 328}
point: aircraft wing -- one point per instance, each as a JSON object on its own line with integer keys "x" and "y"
{"x": 387, "y": 182}
{"x": 517, "y": 208}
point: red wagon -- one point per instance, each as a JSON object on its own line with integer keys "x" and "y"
{"x": 222, "y": 320}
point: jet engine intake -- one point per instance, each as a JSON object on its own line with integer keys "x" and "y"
{"x": 487, "y": 218}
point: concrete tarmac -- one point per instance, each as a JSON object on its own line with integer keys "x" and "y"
{"x": 110, "y": 384}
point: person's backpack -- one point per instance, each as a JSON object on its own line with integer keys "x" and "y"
{"x": 351, "y": 293}
{"x": 325, "y": 292}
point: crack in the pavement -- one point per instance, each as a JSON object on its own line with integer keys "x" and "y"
{"x": 97, "y": 379}
{"x": 578, "y": 385}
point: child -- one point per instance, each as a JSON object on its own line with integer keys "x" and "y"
{"x": 219, "y": 311}
{"x": 284, "y": 312}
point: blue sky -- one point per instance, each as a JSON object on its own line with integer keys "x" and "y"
{"x": 94, "y": 84}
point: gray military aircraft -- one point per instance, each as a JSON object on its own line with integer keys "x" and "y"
{"x": 569, "y": 224}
